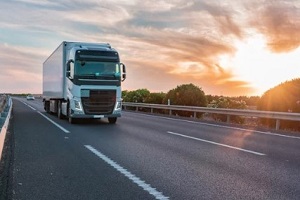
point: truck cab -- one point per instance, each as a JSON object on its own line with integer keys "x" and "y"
{"x": 91, "y": 83}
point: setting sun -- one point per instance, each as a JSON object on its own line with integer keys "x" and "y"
{"x": 254, "y": 63}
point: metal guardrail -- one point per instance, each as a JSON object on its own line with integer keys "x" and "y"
{"x": 2, "y": 103}
{"x": 238, "y": 112}
{"x": 5, "y": 112}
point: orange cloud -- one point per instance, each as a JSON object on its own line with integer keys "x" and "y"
{"x": 279, "y": 22}
{"x": 163, "y": 44}
{"x": 159, "y": 68}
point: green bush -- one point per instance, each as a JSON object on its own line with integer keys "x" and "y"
{"x": 283, "y": 98}
{"x": 186, "y": 95}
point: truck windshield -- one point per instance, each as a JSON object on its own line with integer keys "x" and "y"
{"x": 94, "y": 69}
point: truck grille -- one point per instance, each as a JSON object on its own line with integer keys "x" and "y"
{"x": 100, "y": 102}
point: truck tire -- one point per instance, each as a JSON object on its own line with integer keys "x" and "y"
{"x": 59, "y": 113}
{"x": 112, "y": 120}
{"x": 47, "y": 106}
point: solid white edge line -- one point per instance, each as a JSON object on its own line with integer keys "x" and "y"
{"x": 50, "y": 120}
{"x": 56, "y": 124}
{"x": 216, "y": 143}
{"x": 222, "y": 126}
{"x": 28, "y": 105}
{"x": 129, "y": 175}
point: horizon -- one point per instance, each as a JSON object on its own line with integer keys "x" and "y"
{"x": 220, "y": 46}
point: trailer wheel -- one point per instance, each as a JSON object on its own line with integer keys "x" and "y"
{"x": 112, "y": 120}
{"x": 47, "y": 106}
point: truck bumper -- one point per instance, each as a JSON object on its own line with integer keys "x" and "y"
{"x": 79, "y": 115}
{"x": 77, "y": 111}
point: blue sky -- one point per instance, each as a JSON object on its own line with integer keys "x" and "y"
{"x": 236, "y": 47}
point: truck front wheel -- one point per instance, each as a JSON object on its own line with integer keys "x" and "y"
{"x": 112, "y": 120}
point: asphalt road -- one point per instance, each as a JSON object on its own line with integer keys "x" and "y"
{"x": 148, "y": 157}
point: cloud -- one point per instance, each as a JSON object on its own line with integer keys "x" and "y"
{"x": 21, "y": 69}
{"x": 163, "y": 44}
{"x": 280, "y": 24}
{"x": 154, "y": 39}
{"x": 175, "y": 59}
{"x": 164, "y": 49}
{"x": 44, "y": 3}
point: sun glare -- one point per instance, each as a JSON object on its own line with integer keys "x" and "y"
{"x": 255, "y": 64}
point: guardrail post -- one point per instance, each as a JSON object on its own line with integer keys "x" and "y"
{"x": 195, "y": 114}
{"x": 170, "y": 112}
{"x": 228, "y": 118}
{"x": 277, "y": 124}
{"x": 137, "y": 109}
{"x": 151, "y": 110}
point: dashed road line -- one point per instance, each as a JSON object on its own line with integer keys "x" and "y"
{"x": 53, "y": 122}
{"x": 216, "y": 143}
{"x": 129, "y": 175}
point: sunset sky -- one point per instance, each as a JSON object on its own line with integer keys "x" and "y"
{"x": 226, "y": 47}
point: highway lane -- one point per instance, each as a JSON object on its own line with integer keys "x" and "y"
{"x": 147, "y": 157}
{"x": 50, "y": 165}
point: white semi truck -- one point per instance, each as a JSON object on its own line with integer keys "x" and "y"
{"x": 83, "y": 80}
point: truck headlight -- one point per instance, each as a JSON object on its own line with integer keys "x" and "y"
{"x": 77, "y": 104}
{"x": 119, "y": 105}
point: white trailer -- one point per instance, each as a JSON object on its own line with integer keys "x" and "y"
{"x": 83, "y": 80}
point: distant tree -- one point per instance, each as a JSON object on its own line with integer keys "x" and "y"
{"x": 186, "y": 95}
{"x": 252, "y": 101}
{"x": 284, "y": 97}
{"x": 124, "y": 93}
{"x": 141, "y": 95}
{"x": 210, "y": 98}
{"x": 127, "y": 96}
{"x": 155, "y": 98}
{"x": 230, "y": 103}
{"x": 137, "y": 96}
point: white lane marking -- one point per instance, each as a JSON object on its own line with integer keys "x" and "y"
{"x": 56, "y": 124}
{"x": 216, "y": 143}
{"x": 222, "y": 126}
{"x": 29, "y": 106}
{"x": 50, "y": 120}
{"x": 129, "y": 175}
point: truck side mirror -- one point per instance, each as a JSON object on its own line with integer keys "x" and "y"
{"x": 123, "y": 72}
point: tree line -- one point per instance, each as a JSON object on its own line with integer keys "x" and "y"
{"x": 283, "y": 98}
{"x": 189, "y": 95}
